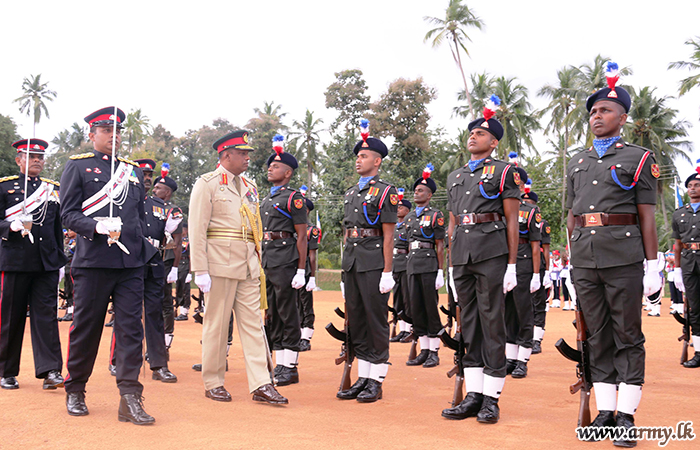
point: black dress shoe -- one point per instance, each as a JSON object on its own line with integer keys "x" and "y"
{"x": 181, "y": 317}
{"x": 67, "y": 318}
{"x": 420, "y": 359}
{"x": 371, "y": 393}
{"x": 354, "y": 391}
{"x": 198, "y": 318}
{"x": 400, "y": 335}
{"x": 268, "y": 394}
{"x": 220, "y": 394}
{"x": 53, "y": 380}
{"x": 131, "y": 410}
{"x": 489, "y": 412}
{"x": 433, "y": 360}
{"x": 287, "y": 376}
{"x": 304, "y": 345}
{"x": 408, "y": 337}
{"x": 75, "y": 404}
{"x": 520, "y": 370}
{"x": 624, "y": 420}
{"x": 9, "y": 383}
{"x": 110, "y": 323}
{"x": 510, "y": 365}
{"x": 693, "y": 363}
{"x": 469, "y": 407}
{"x": 164, "y": 375}
{"x": 536, "y": 347}
{"x": 197, "y": 367}
{"x": 112, "y": 370}
{"x": 278, "y": 369}
{"x": 603, "y": 419}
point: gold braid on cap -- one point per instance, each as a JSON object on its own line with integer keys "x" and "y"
{"x": 256, "y": 228}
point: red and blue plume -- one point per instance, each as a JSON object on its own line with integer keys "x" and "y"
{"x": 528, "y": 185}
{"x": 513, "y": 158}
{"x": 427, "y": 171}
{"x": 303, "y": 189}
{"x": 364, "y": 129}
{"x": 490, "y": 106}
{"x": 697, "y": 166}
{"x": 164, "y": 170}
{"x": 278, "y": 144}
{"x": 612, "y": 74}
{"x": 401, "y": 192}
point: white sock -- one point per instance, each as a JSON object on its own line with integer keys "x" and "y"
{"x": 696, "y": 342}
{"x": 279, "y": 357}
{"x": 363, "y": 368}
{"x": 402, "y": 325}
{"x": 538, "y": 333}
{"x": 169, "y": 339}
{"x": 291, "y": 358}
{"x": 424, "y": 342}
{"x": 474, "y": 379}
{"x": 228, "y": 349}
{"x": 511, "y": 351}
{"x": 628, "y": 398}
{"x": 524, "y": 354}
{"x": 605, "y": 396}
{"x": 493, "y": 386}
{"x": 184, "y": 310}
{"x": 434, "y": 344}
{"x": 69, "y": 310}
{"x": 378, "y": 372}
{"x": 306, "y": 333}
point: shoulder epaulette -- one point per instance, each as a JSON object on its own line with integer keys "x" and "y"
{"x": 128, "y": 161}
{"x": 208, "y": 176}
{"x": 12, "y": 177}
{"x": 55, "y": 183}
{"x": 82, "y": 156}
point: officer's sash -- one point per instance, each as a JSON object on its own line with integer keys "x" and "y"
{"x": 115, "y": 186}
{"x": 33, "y": 202}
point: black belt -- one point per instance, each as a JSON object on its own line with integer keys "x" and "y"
{"x": 691, "y": 246}
{"x": 604, "y": 219}
{"x": 272, "y": 235}
{"x": 522, "y": 240}
{"x": 355, "y": 233}
{"x": 420, "y": 244}
{"x": 472, "y": 218}
{"x": 401, "y": 251}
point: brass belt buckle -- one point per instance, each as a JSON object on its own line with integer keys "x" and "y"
{"x": 415, "y": 245}
{"x": 593, "y": 220}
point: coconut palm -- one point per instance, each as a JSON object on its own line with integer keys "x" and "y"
{"x": 136, "y": 127}
{"x": 306, "y": 139}
{"x": 32, "y": 102}
{"x": 458, "y": 17}
{"x": 482, "y": 88}
{"x": 461, "y": 155}
{"x": 692, "y": 81}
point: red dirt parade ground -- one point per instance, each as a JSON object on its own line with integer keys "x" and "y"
{"x": 536, "y": 412}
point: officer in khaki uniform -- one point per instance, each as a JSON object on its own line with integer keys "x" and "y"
{"x": 225, "y": 231}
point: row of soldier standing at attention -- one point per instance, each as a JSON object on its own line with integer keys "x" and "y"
{"x": 249, "y": 254}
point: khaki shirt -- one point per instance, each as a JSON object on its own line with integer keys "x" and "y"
{"x": 215, "y": 203}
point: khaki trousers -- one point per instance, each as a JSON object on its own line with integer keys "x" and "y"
{"x": 244, "y": 297}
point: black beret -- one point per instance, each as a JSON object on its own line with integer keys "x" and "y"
{"x": 166, "y": 181}
{"x": 531, "y": 195}
{"x": 695, "y": 176}
{"x": 492, "y": 125}
{"x": 373, "y": 144}
{"x": 427, "y": 182}
{"x": 105, "y": 118}
{"x": 283, "y": 157}
{"x": 309, "y": 205}
{"x": 522, "y": 173}
{"x": 618, "y": 95}
{"x": 406, "y": 203}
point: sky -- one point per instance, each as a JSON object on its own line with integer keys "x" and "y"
{"x": 187, "y": 63}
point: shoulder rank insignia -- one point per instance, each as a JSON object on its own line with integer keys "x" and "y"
{"x": 128, "y": 161}
{"x": 394, "y": 199}
{"x": 655, "y": 172}
{"x": 224, "y": 178}
{"x": 298, "y": 203}
{"x": 55, "y": 183}
{"x": 82, "y": 156}
{"x": 12, "y": 177}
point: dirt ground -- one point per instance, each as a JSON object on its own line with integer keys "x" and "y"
{"x": 536, "y": 412}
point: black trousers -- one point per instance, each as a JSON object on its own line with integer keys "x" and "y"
{"x": 424, "y": 304}
{"x": 555, "y": 285}
{"x": 367, "y": 310}
{"x": 182, "y": 289}
{"x": 520, "y": 317}
{"x": 167, "y": 301}
{"x": 611, "y": 303}
{"x": 284, "y": 326}
{"x": 94, "y": 288}
{"x": 564, "y": 289}
{"x": 539, "y": 304}
{"x": 480, "y": 295}
{"x": 68, "y": 285}
{"x": 38, "y": 291}
{"x": 401, "y": 293}
{"x": 676, "y": 295}
{"x": 305, "y": 303}
{"x": 691, "y": 280}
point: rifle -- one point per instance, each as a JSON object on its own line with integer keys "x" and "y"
{"x": 458, "y": 346}
{"x": 412, "y": 337}
{"x": 685, "y": 337}
{"x": 448, "y": 312}
{"x": 347, "y": 351}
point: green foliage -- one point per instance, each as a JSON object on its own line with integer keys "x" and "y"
{"x": 32, "y": 101}
{"x": 8, "y": 135}
{"x": 347, "y": 95}
{"x": 262, "y": 129}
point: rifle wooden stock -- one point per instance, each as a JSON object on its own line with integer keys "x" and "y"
{"x": 684, "y": 352}
{"x": 346, "y": 381}
{"x": 453, "y": 371}
{"x": 412, "y": 353}
{"x": 458, "y": 393}
{"x": 584, "y": 409}
{"x": 574, "y": 388}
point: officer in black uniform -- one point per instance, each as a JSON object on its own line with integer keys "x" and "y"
{"x": 426, "y": 233}
{"x": 284, "y": 216}
{"x": 182, "y": 287}
{"x": 519, "y": 310}
{"x": 163, "y": 188}
{"x": 29, "y": 267}
{"x": 686, "y": 274}
{"x": 369, "y": 222}
{"x": 482, "y": 197}
{"x": 611, "y": 196}
{"x": 306, "y": 295}
{"x": 102, "y": 271}
{"x": 401, "y": 296}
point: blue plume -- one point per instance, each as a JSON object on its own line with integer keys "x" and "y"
{"x": 496, "y": 101}
{"x": 512, "y": 155}
{"x": 364, "y": 123}
{"x": 612, "y": 66}
{"x": 277, "y": 138}
{"x": 401, "y": 190}
{"x": 529, "y": 181}
{"x": 430, "y": 166}
{"x": 165, "y": 166}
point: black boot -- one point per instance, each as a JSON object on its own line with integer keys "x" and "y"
{"x": 131, "y": 410}
{"x": 469, "y": 407}
{"x": 693, "y": 363}
{"x": 304, "y": 345}
{"x": 400, "y": 335}
{"x": 433, "y": 359}
{"x": 354, "y": 391}
{"x": 624, "y": 420}
{"x": 510, "y": 365}
{"x": 603, "y": 419}
{"x": 536, "y": 347}
{"x": 418, "y": 360}
{"x": 287, "y": 376}
{"x": 371, "y": 393}
{"x": 110, "y": 323}
{"x": 489, "y": 412}
{"x": 520, "y": 370}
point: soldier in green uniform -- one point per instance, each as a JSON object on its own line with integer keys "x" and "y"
{"x": 401, "y": 296}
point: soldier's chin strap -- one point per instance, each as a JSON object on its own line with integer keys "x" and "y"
{"x": 256, "y": 228}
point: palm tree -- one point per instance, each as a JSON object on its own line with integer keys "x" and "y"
{"x": 461, "y": 155}
{"x": 692, "y": 81}
{"x": 270, "y": 110}
{"x": 308, "y": 134}
{"x": 458, "y": 17}
{"x": 515, "y": 114}
{"x": 483, "y": 88}
{"x": 136, "y": 127}
{"x": 32, "y": 101}
{"x": 77, "y": 135}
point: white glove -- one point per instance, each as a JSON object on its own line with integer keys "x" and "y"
{"x": 172, "y": 275}
{"x": 386, "y": 283}
{"x": 652, "y": 280}
{"x": 203, "y": 282}
{"x": 547, "y": 283}
{"x": 61, "y": 273}
{"x": 342, "y": 289}
{"x": 172, "y": 223}
{"x": 299, "y": 279}
{"x": 678, "y": 279}
{"x": 440, "y": 280}
{"x": 535, "y": 283}
{"x": 510, "y": 280}
{"x": 188, "y": 278}
{"x": 451, "y": 280}
{"x": 311, "y": 285}
{"x": 101, "y": 228}
{"x": 16, "y": 225}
